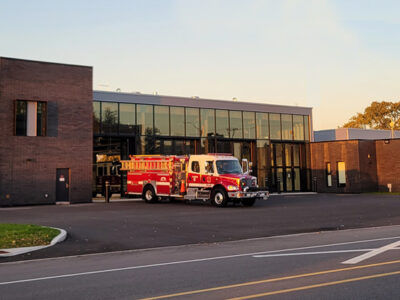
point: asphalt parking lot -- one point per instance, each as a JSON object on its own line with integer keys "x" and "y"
{"x": 101, "y": 227}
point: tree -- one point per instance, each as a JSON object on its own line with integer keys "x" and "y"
{"x": 378, "y": 115}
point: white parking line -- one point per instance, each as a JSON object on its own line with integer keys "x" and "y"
{"x": 372, "y": 253}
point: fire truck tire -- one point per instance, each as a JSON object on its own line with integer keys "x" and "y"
{"x": 248, "y": 202}
{"x": 219, "y": 197}
{"x": 149, "y": 194}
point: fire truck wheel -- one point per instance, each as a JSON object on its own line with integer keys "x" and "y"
{"x": 149, "y": 195}
{"x": 248, "y": 202}
{"x": 219, "y": 197}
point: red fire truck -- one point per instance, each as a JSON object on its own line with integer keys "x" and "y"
{"x": 216, "y": 177}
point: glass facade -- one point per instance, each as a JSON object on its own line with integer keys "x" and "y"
{"x": 144, "y": 115}
{"x": 236, "y": 124}
{"x": 249, "y": 125}
{"x": 161, "y": 120}
{"x": 277, "y": 144}
{"x": 109, "y": 117}
{"x": 207, "y": 116}
{"x": 287, "y": 127}
{"x": 262, "y": 125}
{"x": 275, "y": 126}
{"x": 127, "y": 118}
{"x": 192, "y": 122}
{"x": 298, "y": 128}
{"x": 96, "y": 117}
{"x": 222, "y": 123}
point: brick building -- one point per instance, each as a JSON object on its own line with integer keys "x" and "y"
{"x": 46, "y": 134}
{"x": 355, "y": 166}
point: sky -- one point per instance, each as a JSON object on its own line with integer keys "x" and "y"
{"x": 334, "y": 56}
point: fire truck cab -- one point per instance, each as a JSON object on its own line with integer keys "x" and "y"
{"x": 216, "y": 177}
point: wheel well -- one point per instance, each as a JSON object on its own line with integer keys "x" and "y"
{"x": 149, "y": 185}
{"x": 220, "y": 186}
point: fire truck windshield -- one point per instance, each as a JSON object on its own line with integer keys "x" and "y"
{"x": 231, "y": 166}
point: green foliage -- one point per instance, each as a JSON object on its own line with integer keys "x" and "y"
{"x": 22, "y": 235}
{"x": 378, "y": 115}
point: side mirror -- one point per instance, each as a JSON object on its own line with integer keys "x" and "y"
{"x": 245, "y": 165}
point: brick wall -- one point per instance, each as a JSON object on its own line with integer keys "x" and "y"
{"x": 333, "y": 152}
{"x": 388, "y": 166}
{"x": 28, "y": 164}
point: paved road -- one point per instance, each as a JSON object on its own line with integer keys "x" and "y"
{"x": 348, "y": 264}
{"x": 99, "y": 227}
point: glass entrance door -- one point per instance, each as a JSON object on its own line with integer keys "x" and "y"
{"x": 285, "y": 167}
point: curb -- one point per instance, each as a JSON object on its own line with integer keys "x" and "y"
{"x": 17, "y": 251}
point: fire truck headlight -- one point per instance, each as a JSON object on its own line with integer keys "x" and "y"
{"x": 232, "y": 188}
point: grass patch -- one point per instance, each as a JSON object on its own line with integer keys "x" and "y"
{"x": 22, "y": 235}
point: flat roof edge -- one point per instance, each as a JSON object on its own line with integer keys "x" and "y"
{"x": 197, "y": 101}
{"x": 44, "y": 62}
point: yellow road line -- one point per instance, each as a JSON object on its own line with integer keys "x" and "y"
{"x": 271, "y": 280}
{"x": 307, "y": 287}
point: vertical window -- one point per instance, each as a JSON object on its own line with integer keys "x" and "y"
{"x": 207, "y": 117}
{"x": 96, "y": 116}
{"x": 109, "y": 117}
{"x": 177, "y": 121}
{"x": 192, "y": 122}
{"x": 127, "y": 118}
{"x": 222, "y": 123}
{"x": 328, "y": 174}
{"x": 249, "y": 124}
{"x": 20, "y": 117}
{"x": 161, "y": 120}
{"x": 236, "y": 127}
{"x": 262, "y": 125}
{"x": 144, "y": 115}
{"x": 262, "y": 168}
{"x": 287, "y": 127}
{"x": 341, "y": 173}
{"x": 275, "y": 126}
{"x": 298, "y": 128}
{"x": 30, "y": 118}
{"x": 306, "y": 129}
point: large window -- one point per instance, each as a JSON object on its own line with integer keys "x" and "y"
{"x": 109, "y": 117}
{"x": 177, "y": 121}
{"x": 222, "y": 123}
{"x": 30, "y": 118}
{"x": 161, "y": 120}
{"x": 275, "y": 126}
{"x": 262, "y": 125}
{"x": 235, "y": 118}
{"x": 144, "y": 115}
{"x": 207, "y": 117}
{"x": 192, "y": 122}
{"x": 249, "y": 130}
{"x": 287, "y": 127}
{"x": 127, "y": 118}
{"x": 298, "y": 128}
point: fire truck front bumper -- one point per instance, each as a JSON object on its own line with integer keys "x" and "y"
{"x": 249, "y": 194}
